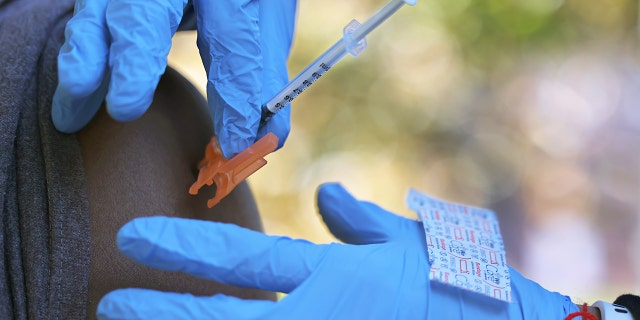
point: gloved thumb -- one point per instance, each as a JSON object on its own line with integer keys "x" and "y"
{"x": 277, "y": 24}
{"x": 359, "y": 222}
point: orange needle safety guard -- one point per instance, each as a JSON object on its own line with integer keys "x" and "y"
{"x": 227, "y": 174}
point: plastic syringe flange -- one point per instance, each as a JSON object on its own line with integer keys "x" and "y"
{"x": 352, "y": 46}
{"x": 227, "y": 174}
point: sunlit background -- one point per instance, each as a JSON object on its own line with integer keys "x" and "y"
{"x": 529, "y": 108}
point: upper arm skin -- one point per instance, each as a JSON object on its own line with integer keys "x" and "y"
{"x": 143, "y": 168}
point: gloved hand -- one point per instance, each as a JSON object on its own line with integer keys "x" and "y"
{"x": 381, "y": 275}
{"x": 118, "y": 49}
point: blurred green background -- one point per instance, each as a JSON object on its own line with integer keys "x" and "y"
{"x": 525, "y": 107}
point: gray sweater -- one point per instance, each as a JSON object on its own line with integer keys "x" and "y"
{"x": 44, "y": 230}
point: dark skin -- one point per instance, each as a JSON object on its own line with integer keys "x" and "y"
{"x": 144, "y": 168}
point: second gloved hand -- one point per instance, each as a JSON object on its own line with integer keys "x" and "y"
{"x": 382, "y": 274}
{"x": 117, "y": 49}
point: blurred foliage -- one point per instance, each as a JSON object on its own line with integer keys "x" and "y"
{"x": 495, "y": 31}
{"x": 526, "y": 107}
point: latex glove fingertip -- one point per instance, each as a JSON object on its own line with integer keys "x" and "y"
{"x": 134, "y": 303}
{"x": 70, "y": 112}
{"x": 331, "y": 192}
{"x": 132, "y": 238}
{"x": 358, "y": 222}
{"x": 128, "y": 100}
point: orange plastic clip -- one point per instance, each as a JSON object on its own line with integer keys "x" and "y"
{"x": 227, "y": 174}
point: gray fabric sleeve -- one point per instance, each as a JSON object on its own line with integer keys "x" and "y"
{"x": 44, "y": 237}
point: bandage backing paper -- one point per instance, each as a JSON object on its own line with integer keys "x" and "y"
{"x": 464, "y": 245}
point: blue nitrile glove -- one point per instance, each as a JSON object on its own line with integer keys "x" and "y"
{"x": 381, "y": 274}
{"x": 118, "y": 49}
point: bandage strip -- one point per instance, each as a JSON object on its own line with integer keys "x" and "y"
{"x": 227, "y": 174}
{"x": 464, "y": 246}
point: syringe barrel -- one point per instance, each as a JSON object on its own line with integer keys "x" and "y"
{"x": 307, "y": 77}
{"x": 321, "y": 65}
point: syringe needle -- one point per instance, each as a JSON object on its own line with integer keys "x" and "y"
{"x": 353, "y": 42}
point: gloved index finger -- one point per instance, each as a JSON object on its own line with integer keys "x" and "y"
{"x": 141, "y": 34}
{"x": 229, "y": 43}
{"x": 221, "y": 252}
{"x": 277, "y": 23}
{"x": 82, "y": 67}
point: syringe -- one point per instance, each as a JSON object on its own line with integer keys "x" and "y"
{"x": 352, "y": 42}
{"x": 227, "y": 174}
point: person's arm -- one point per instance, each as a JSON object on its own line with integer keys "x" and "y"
{"x": 144, "y": 168}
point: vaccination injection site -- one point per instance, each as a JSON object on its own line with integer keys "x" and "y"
{"x": 368, "y": 159}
